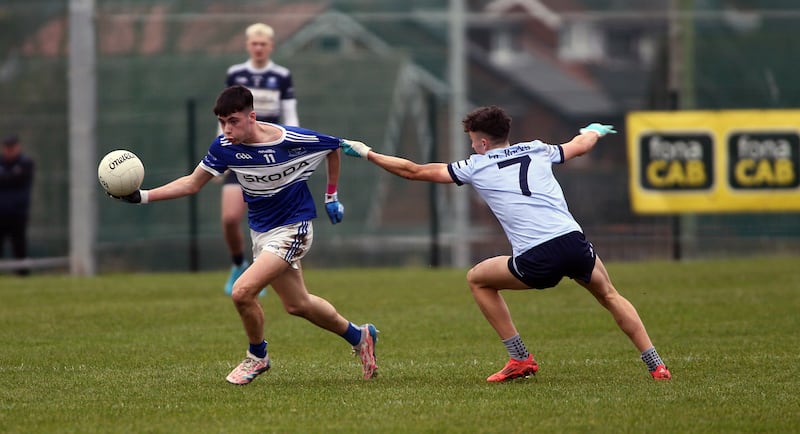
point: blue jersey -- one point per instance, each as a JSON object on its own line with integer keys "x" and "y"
{"x": 517, "y": 183}
{"x": 270, "y": 85}
{"x": 273, "y": 175}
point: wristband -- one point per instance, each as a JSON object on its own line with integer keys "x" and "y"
{"x": 144, "y": 195}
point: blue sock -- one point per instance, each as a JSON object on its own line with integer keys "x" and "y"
{"x": 259, "y": 350}
{"x": 353, "y": 334}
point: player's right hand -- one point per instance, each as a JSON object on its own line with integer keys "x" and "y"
{"x": 354, "y": 148}
{"x": 135, "y": 197}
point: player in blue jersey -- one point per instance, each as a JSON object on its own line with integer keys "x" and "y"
{"x": 517, "y": 183}
{"x": 273, "y": 101}
{"x": 273, "y": 163}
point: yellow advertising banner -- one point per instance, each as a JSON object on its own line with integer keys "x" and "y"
{"x": 714, "y": 161}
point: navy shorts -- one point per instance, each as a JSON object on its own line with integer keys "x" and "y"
{"x": 230, "y": 178}
{"x": 544, "y": 265}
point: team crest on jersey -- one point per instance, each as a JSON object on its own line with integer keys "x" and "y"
{"x": 294, "y": 152}
{"x": 272, "y": 82}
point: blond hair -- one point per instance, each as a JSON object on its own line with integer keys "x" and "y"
{"x": 259, "y": 29}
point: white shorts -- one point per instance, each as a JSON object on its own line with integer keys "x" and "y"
{"x": 290, "y": 242}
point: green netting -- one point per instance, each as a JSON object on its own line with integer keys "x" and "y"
{"x": 155, "y": 57}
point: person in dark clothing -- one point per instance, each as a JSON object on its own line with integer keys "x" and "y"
{"x": 16, "y": 180}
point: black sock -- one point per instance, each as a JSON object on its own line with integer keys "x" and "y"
{"x": 238, "y": 260}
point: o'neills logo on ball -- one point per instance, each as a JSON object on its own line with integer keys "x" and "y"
{"x": 116, "y": 162}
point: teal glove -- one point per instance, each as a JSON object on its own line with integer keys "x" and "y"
{"x": 354, "y": 148}
{"x": 600, "y": 129}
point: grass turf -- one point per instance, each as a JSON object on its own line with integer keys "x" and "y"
{"x": 149, "y": 353}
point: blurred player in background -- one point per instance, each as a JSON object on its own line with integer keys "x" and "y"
{"x": 273, "y": 163}
{"x": 16, "y": 182}
{"x": 274, "y": 101}
{"x": 517, "y": 183}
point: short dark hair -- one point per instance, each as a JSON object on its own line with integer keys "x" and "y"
{"x": 233, "y": 99}
{"x": 491, "y": 120}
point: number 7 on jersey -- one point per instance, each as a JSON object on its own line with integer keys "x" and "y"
{"x": 524, "y": 162}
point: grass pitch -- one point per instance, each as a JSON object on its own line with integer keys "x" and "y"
{"x": 149, "y": 353}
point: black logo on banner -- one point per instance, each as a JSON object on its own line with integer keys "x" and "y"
{"x": 676, "y": 161}
{"x": 760, "y": 160}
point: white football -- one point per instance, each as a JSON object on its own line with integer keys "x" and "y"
{"x": 120, "y": 172}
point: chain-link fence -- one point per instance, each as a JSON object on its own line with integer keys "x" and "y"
{"x": 378, "y": 72}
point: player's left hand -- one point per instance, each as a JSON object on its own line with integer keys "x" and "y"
{"x": 334, "y": 208}
{"x": 600, "y": 129}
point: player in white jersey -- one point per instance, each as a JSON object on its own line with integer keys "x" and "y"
{"x": 273, "y": 101}
{"x": 273, "y": 163}
{"x": 518, "y": 185}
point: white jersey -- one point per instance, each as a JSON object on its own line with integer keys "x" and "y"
{"x": 518, "y": 184}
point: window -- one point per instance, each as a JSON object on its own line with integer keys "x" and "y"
{"x": 580, "y": 41}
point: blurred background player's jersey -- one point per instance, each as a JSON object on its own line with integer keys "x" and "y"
{"x": 270, "y": 85}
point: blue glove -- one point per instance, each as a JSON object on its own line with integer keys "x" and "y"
{"x": 600, "y": 129}
{"x": 334, "y": 208}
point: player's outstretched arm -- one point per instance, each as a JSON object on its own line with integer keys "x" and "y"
{"x": 431, "y": 172}
{"x": 183, "y": 186}
{"x": 585, "y": 140}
